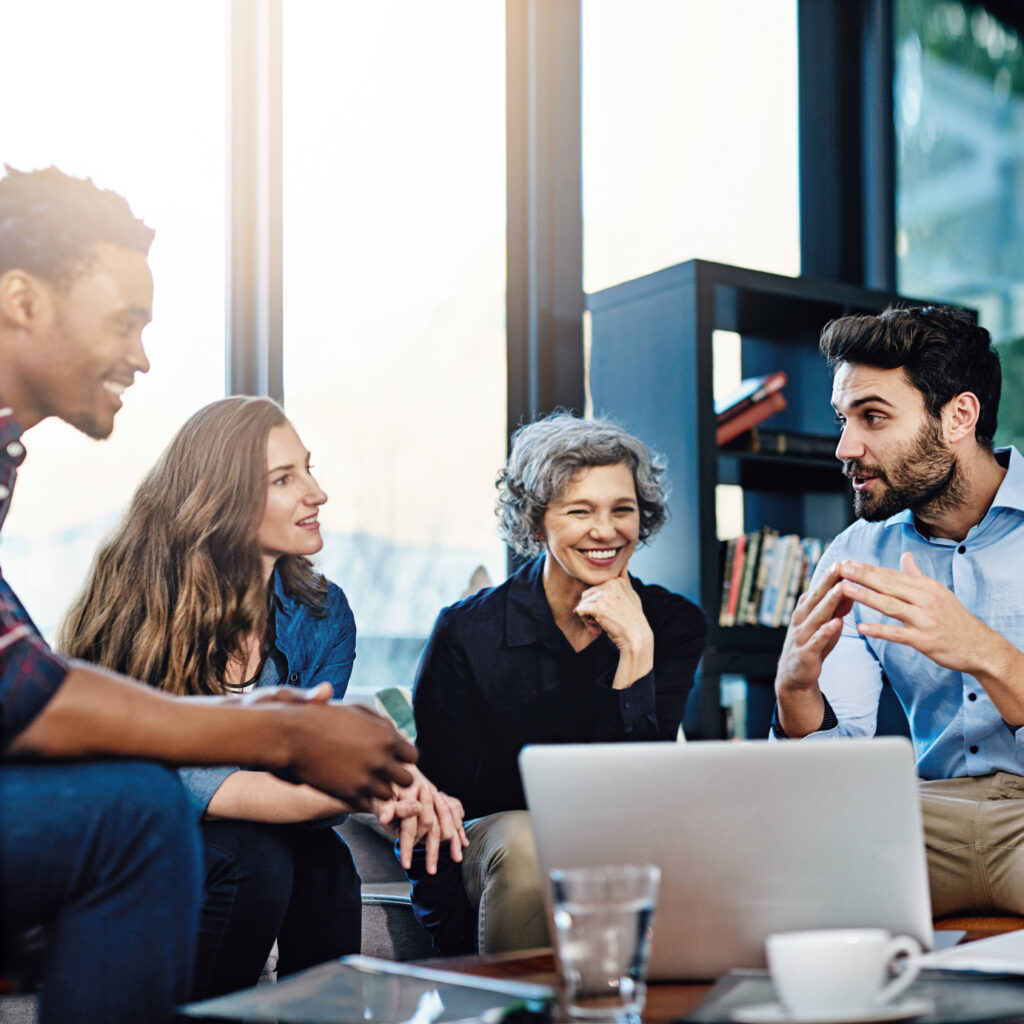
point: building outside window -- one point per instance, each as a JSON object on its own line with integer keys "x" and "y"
{"x": 394, "y": 237}
{"x": 959, "y": 106}
{"x": 394, "y": 302}
{"x": 690, "y": 136}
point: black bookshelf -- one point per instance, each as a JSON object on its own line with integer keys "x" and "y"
{"x": 651, "y": 366}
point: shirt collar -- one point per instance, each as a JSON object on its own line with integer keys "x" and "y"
{"x": 282, "y": 599}
{"x": 1011, "y": 490}
{"x": 12, "y": 451}
{"x": 12, "y": 455}
{"x": 528, "y": 617}
{"x": 1009, "y": 495}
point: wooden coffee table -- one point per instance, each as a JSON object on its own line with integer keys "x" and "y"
{"x": 666, "y": 1001}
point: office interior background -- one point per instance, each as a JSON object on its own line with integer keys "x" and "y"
{"x": 388, "y": 215}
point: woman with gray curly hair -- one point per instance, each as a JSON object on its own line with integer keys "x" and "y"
{"x": 570, "y": 648}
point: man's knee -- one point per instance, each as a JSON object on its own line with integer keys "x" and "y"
{"x": 509, "y": 854}
{"x": 111, "y": 862}
{"x": 94, "y": 831}
{"x": 146, "y": 815}
{"x": 149, "y": 795}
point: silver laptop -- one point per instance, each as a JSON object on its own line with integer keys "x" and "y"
{"x": 751, "y": 837}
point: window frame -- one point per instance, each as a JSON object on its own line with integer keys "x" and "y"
{"x": 846, "y": 163}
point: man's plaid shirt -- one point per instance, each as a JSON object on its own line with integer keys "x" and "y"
{"x": 30, "y": 672}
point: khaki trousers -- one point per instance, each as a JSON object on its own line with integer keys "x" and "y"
{"x": 502, "y": 881}
{"x": 974, "y": 839}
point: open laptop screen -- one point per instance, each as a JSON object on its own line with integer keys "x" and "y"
{"x": 751, "y": 837}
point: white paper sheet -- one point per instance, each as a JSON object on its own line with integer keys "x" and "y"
{"x": 1001, "y": 954}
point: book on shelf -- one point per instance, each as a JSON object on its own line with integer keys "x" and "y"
{"x": 735, "y": 554}
{"x": 777, "y": 574}
{"x": 769, "y": 540}
{"x": 785, "y": 442}
{"x": 750, "y": 417}
{"x": 763, "y": 575}
{"x": 811, "y": 550}
{"x": 749, "y": 571}
{"x": 728, "y": 561}
{"x": 750, "y": 391}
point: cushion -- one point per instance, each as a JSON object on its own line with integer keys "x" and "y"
{"x": 396, "y": 703}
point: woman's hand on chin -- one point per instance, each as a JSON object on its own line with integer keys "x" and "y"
{"x": 614, "y": 607}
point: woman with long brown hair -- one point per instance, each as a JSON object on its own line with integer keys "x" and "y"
{"x": 206, "y": 588}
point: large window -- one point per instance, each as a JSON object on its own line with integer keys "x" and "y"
{"x": 131, "y": 95}
{"x": 689, "y": 136}
{"x": 394, "y": 236}
{"x": 394, "y": 299}
{"x": 960, "y": 172}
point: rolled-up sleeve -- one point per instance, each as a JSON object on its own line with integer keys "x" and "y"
{"x": 201, "y": 783}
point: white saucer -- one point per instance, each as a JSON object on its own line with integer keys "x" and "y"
{"x": 775, "y": 1013}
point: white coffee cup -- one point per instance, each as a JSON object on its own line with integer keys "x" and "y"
{"x": 842, "y": 970}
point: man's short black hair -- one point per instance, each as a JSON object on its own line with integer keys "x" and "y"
{"x": 941, "y": 349}
{"x": 50, "y": 222}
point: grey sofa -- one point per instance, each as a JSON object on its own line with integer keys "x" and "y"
{"x": 389, "y": 928}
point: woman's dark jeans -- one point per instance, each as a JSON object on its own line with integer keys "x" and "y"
{"x": 292, "y": 883}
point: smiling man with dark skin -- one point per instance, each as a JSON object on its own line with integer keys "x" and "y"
{"x": 926, "y": 588}
{"x": 102, "y": 849}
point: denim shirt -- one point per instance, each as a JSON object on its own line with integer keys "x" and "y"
{"x": 307, "y": 651}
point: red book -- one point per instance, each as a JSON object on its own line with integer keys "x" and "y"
{"x": 734, "y": 581}
{"x": 750, "y": 417}
{"x": 750, "y": 392}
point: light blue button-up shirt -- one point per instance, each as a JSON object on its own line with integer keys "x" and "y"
{"x": 955, "y": 727}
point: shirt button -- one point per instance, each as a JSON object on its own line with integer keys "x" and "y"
{"x": 974, "y": 750}
{"x": 962, "y": 549}
{"x": 15, "y": 449}
{"x": 294, "y": 677}
{"x": 972, "y": 696}
{"x": 626, "y": 704}
{"x": 4, "y": 492}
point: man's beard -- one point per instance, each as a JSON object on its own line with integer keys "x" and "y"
{"x": 926, "y": 478}
{"x": 90, "y": 426}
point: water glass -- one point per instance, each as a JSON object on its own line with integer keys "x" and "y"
{"x": 603, "y": 920}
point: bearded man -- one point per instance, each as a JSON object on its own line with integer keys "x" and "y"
{"x": 926, "y": 589}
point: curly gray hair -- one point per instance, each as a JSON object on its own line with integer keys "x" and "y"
{"x": 547, "y": 454}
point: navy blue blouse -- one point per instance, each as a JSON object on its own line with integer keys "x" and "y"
{"x": 498, "y": 673}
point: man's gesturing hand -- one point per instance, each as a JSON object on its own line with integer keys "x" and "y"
{"x": 813, "y": 632}
{"x": 932, "y": 619}
{"x": 934, "y": 622}
{"x": 347, "y": 751}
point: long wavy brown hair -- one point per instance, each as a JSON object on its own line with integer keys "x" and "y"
{"x": 176, "y": 592}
